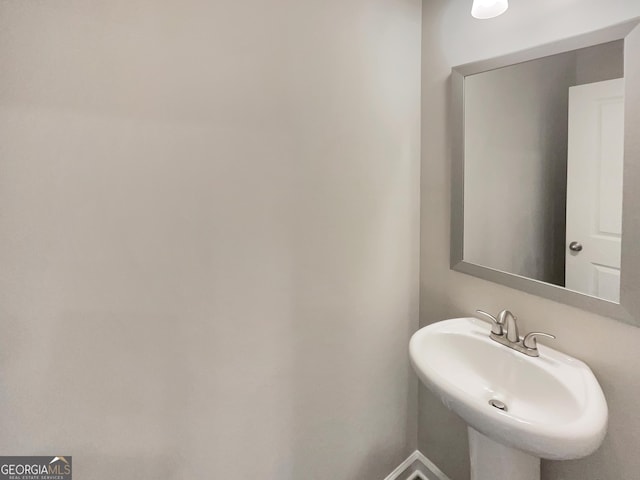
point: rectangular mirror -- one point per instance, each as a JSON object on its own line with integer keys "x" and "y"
{"x": 546, "y": 171}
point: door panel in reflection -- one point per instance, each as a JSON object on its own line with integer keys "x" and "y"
{"x": 594, "y": 188}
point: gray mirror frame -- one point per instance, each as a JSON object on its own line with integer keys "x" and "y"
{"x": 628, "y": 310}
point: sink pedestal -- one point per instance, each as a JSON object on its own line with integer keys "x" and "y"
{"x": 491, "y": 460}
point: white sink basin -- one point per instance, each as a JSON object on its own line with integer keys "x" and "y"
{"x": 555, "y": 406}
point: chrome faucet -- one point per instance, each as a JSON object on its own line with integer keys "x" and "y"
{"x": 504, "y": 330}
{"x": 508, "y": 319}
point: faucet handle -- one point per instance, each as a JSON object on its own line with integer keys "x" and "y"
{"x": 496, "y": 323}
{"x": 530, "y": 341}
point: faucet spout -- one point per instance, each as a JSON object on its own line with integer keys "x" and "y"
{"x": 508, "y": 319}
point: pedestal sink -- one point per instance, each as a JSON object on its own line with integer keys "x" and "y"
{"x": 518, "y": 408}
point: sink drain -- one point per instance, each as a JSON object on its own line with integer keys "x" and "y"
{"x": 498, "y": 404}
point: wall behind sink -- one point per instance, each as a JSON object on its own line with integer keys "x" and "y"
{"x": 209, "y": 222}
{"x": 452, "y": 37}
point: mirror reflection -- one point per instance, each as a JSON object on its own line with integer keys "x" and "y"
{"x": 543, "y": 167}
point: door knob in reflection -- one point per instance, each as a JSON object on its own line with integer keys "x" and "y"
{"x": 575, "y": 246}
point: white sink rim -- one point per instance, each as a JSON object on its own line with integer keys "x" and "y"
{"x": 551, "y": 440}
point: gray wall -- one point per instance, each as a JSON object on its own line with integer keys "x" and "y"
{"x": 209, "y": 236}
{"x": 452, "y": 37}
{"x": 600, "y": 62}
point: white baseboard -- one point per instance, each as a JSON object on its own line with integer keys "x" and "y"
{"x": 418, "y": 476}
{"x": 428, "y": 465}
{"x": 400, "y": 469}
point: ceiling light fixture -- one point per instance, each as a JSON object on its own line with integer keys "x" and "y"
{"x": 484, "y": 9}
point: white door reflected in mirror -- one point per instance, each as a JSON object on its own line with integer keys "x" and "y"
{"x": 594, "y": 188}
